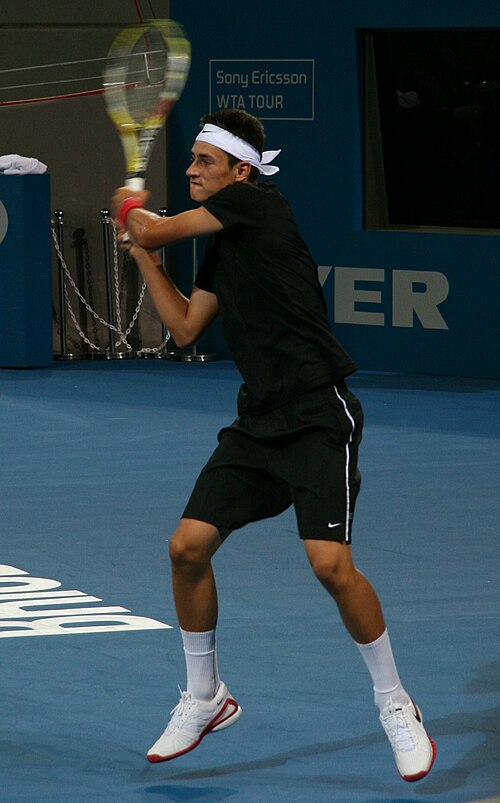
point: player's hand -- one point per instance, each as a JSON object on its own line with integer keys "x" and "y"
{"x": 126, "y": 244}
{"x": 123, "y": 239}
{"x": 144, "y": 259}
{"x": 122, "y": 193}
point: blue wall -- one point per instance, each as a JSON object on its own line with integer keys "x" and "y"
{"x": 457, "y": 332}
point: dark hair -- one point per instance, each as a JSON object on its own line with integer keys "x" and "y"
{"x": 242, "y": 125}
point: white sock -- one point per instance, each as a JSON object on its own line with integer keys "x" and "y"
{"x": 201, "y": 664}
{"x": 380, "y": 663}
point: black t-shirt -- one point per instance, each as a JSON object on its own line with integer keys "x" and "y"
{"x": 271, "y": 304}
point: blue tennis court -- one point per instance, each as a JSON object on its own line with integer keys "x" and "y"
{"x": 97, "y": 461}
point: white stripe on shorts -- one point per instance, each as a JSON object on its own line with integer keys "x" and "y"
{"x": 347, "y": 458}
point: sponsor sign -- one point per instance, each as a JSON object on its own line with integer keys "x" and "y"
{"x": 271, "y": 89}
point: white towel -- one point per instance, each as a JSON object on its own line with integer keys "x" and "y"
{"x": 15, "y": 165}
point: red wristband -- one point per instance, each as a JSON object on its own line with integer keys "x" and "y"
{"x": 125, "y": 207}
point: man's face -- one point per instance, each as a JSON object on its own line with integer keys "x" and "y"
{"x": 209, "y": 171}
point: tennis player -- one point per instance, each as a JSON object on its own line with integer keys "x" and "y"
{"x": 296, "y": 438}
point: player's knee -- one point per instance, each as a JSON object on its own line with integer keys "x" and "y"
{"x": 335, "y": 576}
{"x": 186, "y": 550}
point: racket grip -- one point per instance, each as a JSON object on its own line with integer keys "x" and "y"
{"x": 135, "y": 183}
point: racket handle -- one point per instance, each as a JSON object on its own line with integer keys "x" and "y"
{"x": 135, "y": 183}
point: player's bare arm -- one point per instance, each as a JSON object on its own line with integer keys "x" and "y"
{"x": 151, "y": 231}
{"x": 185, "y": 318}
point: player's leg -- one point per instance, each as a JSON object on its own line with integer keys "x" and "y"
{"x": 361, "y": 613}
{"x": 321, "y": 470}
{"x": 191, "y": 549}
{"x": 195, "y": 594}
{"x": 358, "y": 604}
{"x": 231, "y": 490}
{"x": 206, "y": 705}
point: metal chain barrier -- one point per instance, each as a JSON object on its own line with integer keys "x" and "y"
{"x": 112, "y": 327}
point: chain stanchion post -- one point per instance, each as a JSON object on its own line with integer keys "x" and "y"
{"x": 59, "y": 229}
{"x": 110, "y": 353}
{"x": 193, "y": 355}
{"x": 113, "y": 315}
{"x": 164, "y": 353}
{"x": 59, "y": 225}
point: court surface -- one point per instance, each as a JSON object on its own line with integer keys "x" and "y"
{"x": 97, "y": 461}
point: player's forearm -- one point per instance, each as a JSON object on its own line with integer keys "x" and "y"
{"x": 151, "y": 231}
{"x": 147, "y": 229}
{"x": 172, "y": 306}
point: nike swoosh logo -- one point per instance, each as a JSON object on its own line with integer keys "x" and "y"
{"x": 331, "y": 526}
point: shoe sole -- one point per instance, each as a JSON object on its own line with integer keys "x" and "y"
{"x": 419, "y": 775}
{"x": 224, "y": 719}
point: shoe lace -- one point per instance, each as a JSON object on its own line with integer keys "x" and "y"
{"x": 181, "y": 711}
{"x": 398, "y": 727}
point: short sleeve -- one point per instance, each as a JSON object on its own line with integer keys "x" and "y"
{"x": 241, "y": 206}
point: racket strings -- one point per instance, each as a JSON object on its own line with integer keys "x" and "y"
{"x": 140, "y": 78}
{"x": 148, "y": 65}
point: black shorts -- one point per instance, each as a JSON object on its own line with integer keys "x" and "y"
{"x": 304, "y": 453}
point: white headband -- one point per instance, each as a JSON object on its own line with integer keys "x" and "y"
{"x": 238, "y": 148}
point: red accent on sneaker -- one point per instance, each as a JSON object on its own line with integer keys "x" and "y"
{"x": 156, "y": 759}
{"x": 218, "y": 722}
{"x": 221, "y": 717}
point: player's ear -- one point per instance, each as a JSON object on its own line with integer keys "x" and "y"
{"x": 243, "y": 171}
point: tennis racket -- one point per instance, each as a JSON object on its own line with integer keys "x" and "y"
{"x": 146, "y": 70}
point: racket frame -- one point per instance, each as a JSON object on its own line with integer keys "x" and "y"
{"x": 138, "y": 138}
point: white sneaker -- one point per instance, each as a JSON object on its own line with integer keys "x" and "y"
{"x": 413, "y": 750}
{"x": 191, "y": 721}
